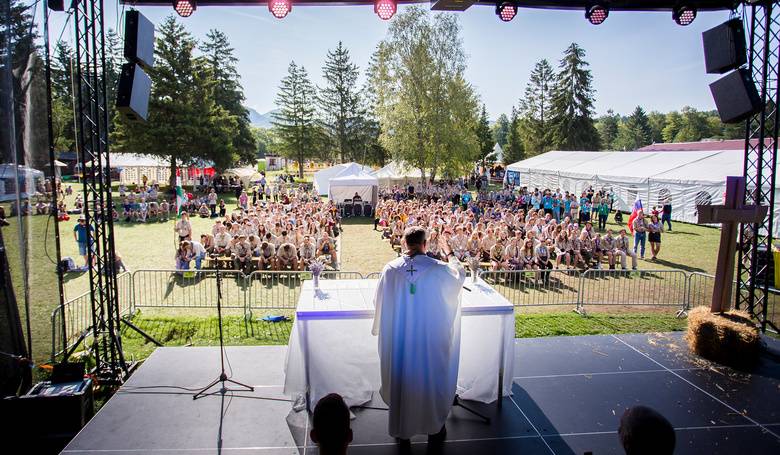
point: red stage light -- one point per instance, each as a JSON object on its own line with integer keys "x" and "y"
{"x": 684, "y": 15}
{"x": 506, "y": 11}
{"x": 280, "y": 8}
{"x": 185, "y": 8}
{"x": 596, "y": 14}
{"x": 385, "y": 9}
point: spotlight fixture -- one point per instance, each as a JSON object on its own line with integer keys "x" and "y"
{"x": 506, "y": 11}
{"x": 684, "y": 15}
{"x": 596, "y": 14}
{"x": 185, "y": 8}
{"x": 385, "y": 9}
{"x": 280, "y": 8}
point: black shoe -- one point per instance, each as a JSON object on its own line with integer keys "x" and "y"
{"x": 404, "y": 445}
{"x": 439, "y": 437}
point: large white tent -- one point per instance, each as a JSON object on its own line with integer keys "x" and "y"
{"x": 353, "y": 180}
{"x": 688, "y": 179}
{"x": 322, "y": 178}
{"x": 397, "y": 173}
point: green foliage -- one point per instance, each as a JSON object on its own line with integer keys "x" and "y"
{"x": 607, "y": 127}
{"x": 501, "y": 130}
{"x": 515, "y": 149}
{"x": 572, "y": 125}
{"x": 426, "y": 109}
{"x": 535, "y": 109}
{"x": 634, "y": 132}
{"x": 295, "y": 123}
{"x": 485, "y": 137}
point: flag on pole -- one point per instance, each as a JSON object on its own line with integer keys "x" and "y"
{"x": 634, "y": 211}
{"x": 181, "y": 197}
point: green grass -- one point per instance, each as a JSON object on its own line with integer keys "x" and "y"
{"x": 571, "y": 324}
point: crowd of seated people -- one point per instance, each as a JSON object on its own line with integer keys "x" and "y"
{"x": 268, "y": 235}
{"x": 510, "y": 229}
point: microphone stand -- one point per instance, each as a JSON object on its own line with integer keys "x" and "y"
{"x": 223, "y": 378}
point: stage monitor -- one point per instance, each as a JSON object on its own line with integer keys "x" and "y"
{"x": 724, "y": 47}
{"x": 132, "y": 97}
{"x": 736, "y": 96}
{"x": 139, "y": 39}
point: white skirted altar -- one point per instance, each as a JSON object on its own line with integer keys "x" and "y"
{"x": 331, "y": 348}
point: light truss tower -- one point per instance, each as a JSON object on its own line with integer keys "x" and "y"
{"x": 92, "y": 128}
{"x": 762, "y": 24}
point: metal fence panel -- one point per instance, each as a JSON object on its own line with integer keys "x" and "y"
{"x": 526, "y": 288}
{"x": 635, "y": 288}
{"x": 187, "y": 289}
{"x": 279, "y": 290}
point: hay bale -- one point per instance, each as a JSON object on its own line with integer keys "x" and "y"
{"x": 730, "y": 338}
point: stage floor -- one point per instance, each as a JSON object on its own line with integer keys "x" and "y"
{"x": 569, "y": 393}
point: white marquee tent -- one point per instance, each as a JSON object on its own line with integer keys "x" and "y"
{"x": 322, "y": 178}
{"x": 688, "y": 179}
{"x": 353, "y": 180}
{"x": 397, "y": 173}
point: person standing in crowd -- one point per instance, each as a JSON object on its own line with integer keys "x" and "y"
{"x": 603, "y": 211}
{"x": 80, "y": 236}
{"x": 666, "y": 213}
{"x": 183, "y": 227}
{"x": 212, "y": 200}
{"x": 640, "y": 233}
{"x": 654, "y": 229}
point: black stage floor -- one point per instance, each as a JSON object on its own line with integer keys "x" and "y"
{"x": 569, "y": 393}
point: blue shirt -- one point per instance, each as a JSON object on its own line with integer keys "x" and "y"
{"x": 547, "y": 201}
{"x": 81, "y": 232}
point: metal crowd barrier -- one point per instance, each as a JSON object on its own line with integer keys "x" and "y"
{"x": 525, "y": 288}
{"x": 634, "y": 288}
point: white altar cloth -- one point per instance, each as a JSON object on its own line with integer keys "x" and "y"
{"x": 331, "y": 348}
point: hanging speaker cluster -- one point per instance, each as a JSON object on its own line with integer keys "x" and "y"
{"x": 132, "y": 97}
{"x": 725, "y": 50}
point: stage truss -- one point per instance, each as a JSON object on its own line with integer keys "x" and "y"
{"x": 762, "y": 24}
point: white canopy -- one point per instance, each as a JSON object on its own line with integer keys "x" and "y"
{"x": 397, "y": 172}
{"x": 322, "y": 178}
{"x": 353, "y": 180}
{"x": 245, "y": 174}
{"x": 687, "y": 178}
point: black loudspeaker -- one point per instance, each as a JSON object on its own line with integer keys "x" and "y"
{"x": 56, "y": 5}
{"x": 139, "y": 39}
{"x": 132, "y": 96}
{"x": 724, "y": 47}
{"x": 736, "y": 96}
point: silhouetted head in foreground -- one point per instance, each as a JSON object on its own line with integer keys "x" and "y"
{"x": 330, "y": 425}
{"x": 643, "y": 431}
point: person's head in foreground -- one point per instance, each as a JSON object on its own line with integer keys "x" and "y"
{"x": 330, "y": 425}
{"x": 643, "y": 431}
{"x": 415, "y": 241}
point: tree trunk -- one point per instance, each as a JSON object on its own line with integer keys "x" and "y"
{"x": 172, "y": 178}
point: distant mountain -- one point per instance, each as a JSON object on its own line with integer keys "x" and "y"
{"x": 260, "y": 120}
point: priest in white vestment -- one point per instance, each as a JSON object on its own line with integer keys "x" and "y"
{"x": 418, "y": 322}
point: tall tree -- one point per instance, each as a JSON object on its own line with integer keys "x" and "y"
{"x": 634, "y": 132}
{"x": 572, "y": 126}
{"x": 295, "y": 122}
{"x": 535, "y": 108}
{"x": 228, "y": 92}
{"x": 485, "y": 136}
{"x": 657, "y": 124}
{"x": 672, "y": 126}
{"x": 185, "y": 123}
{"x": 501, "y": 130}
{"x": 515, "y": 149}
{"x": 340, "y": 103}
{"x": 64, "y": 131}
{"x": 607, "y": 127}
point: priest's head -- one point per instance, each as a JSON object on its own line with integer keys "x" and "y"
{"x": 330, "y": 425}
{"x": 415, "y": 240}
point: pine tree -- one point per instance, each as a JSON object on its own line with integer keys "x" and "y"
{"x": 340, "y": 103}
{"x": 634, "y": 132}
{"x": 295, "y": 123}
{"x": 515, "y": 150}
{"x": 485, "y": 137}
{"x": 500, "y": 130}
{"x": 535, "y": 108}
{"x": 657, "y": 123}
{"x": 228, "y": 93}
{"x": 572, "y": 125}
{"x": 63, "y": 126}
{"x": 607, "y": 127}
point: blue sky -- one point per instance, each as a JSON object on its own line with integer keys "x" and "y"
{"x": 636, "y": 58}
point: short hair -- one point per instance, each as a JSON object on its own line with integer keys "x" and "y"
{"x": 643, "y": 431}
{"x": 414, "y": 236}
{"x": 330, "y": 422}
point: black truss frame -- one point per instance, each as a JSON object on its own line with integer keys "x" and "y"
{"x": 92, "y": 139}
{"x": 762, "y": 24}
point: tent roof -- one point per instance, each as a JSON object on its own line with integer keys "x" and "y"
{"x": 354, "y": 176}
{"x": 136, "y": 159}
{"x": 702, "y": 167}
{"x": 322, "y": 178}
{"x": 397, "y": 170}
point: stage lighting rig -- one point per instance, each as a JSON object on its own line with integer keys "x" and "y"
{"x": 280, "y": 8}
{"x": 185, "y": 8}
{"x": 684, "y": 15}
{"x": 596, "y": 14}
{"x": 506, "y": 11}
{"x": 385, "y": 9}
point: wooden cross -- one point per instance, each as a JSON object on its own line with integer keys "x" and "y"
{"x": 730, "y": 214}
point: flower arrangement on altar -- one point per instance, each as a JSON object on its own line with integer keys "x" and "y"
{"x": 473, "y": 262}
{"x": 316, "y": 268}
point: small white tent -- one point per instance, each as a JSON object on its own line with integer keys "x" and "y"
{"x": 687, "y": 179}
{"x": 245, "y": 174}
{"x": 397, "y": 173}
{"x": 322, "y": 178}
{"x": 353, "y": 180}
